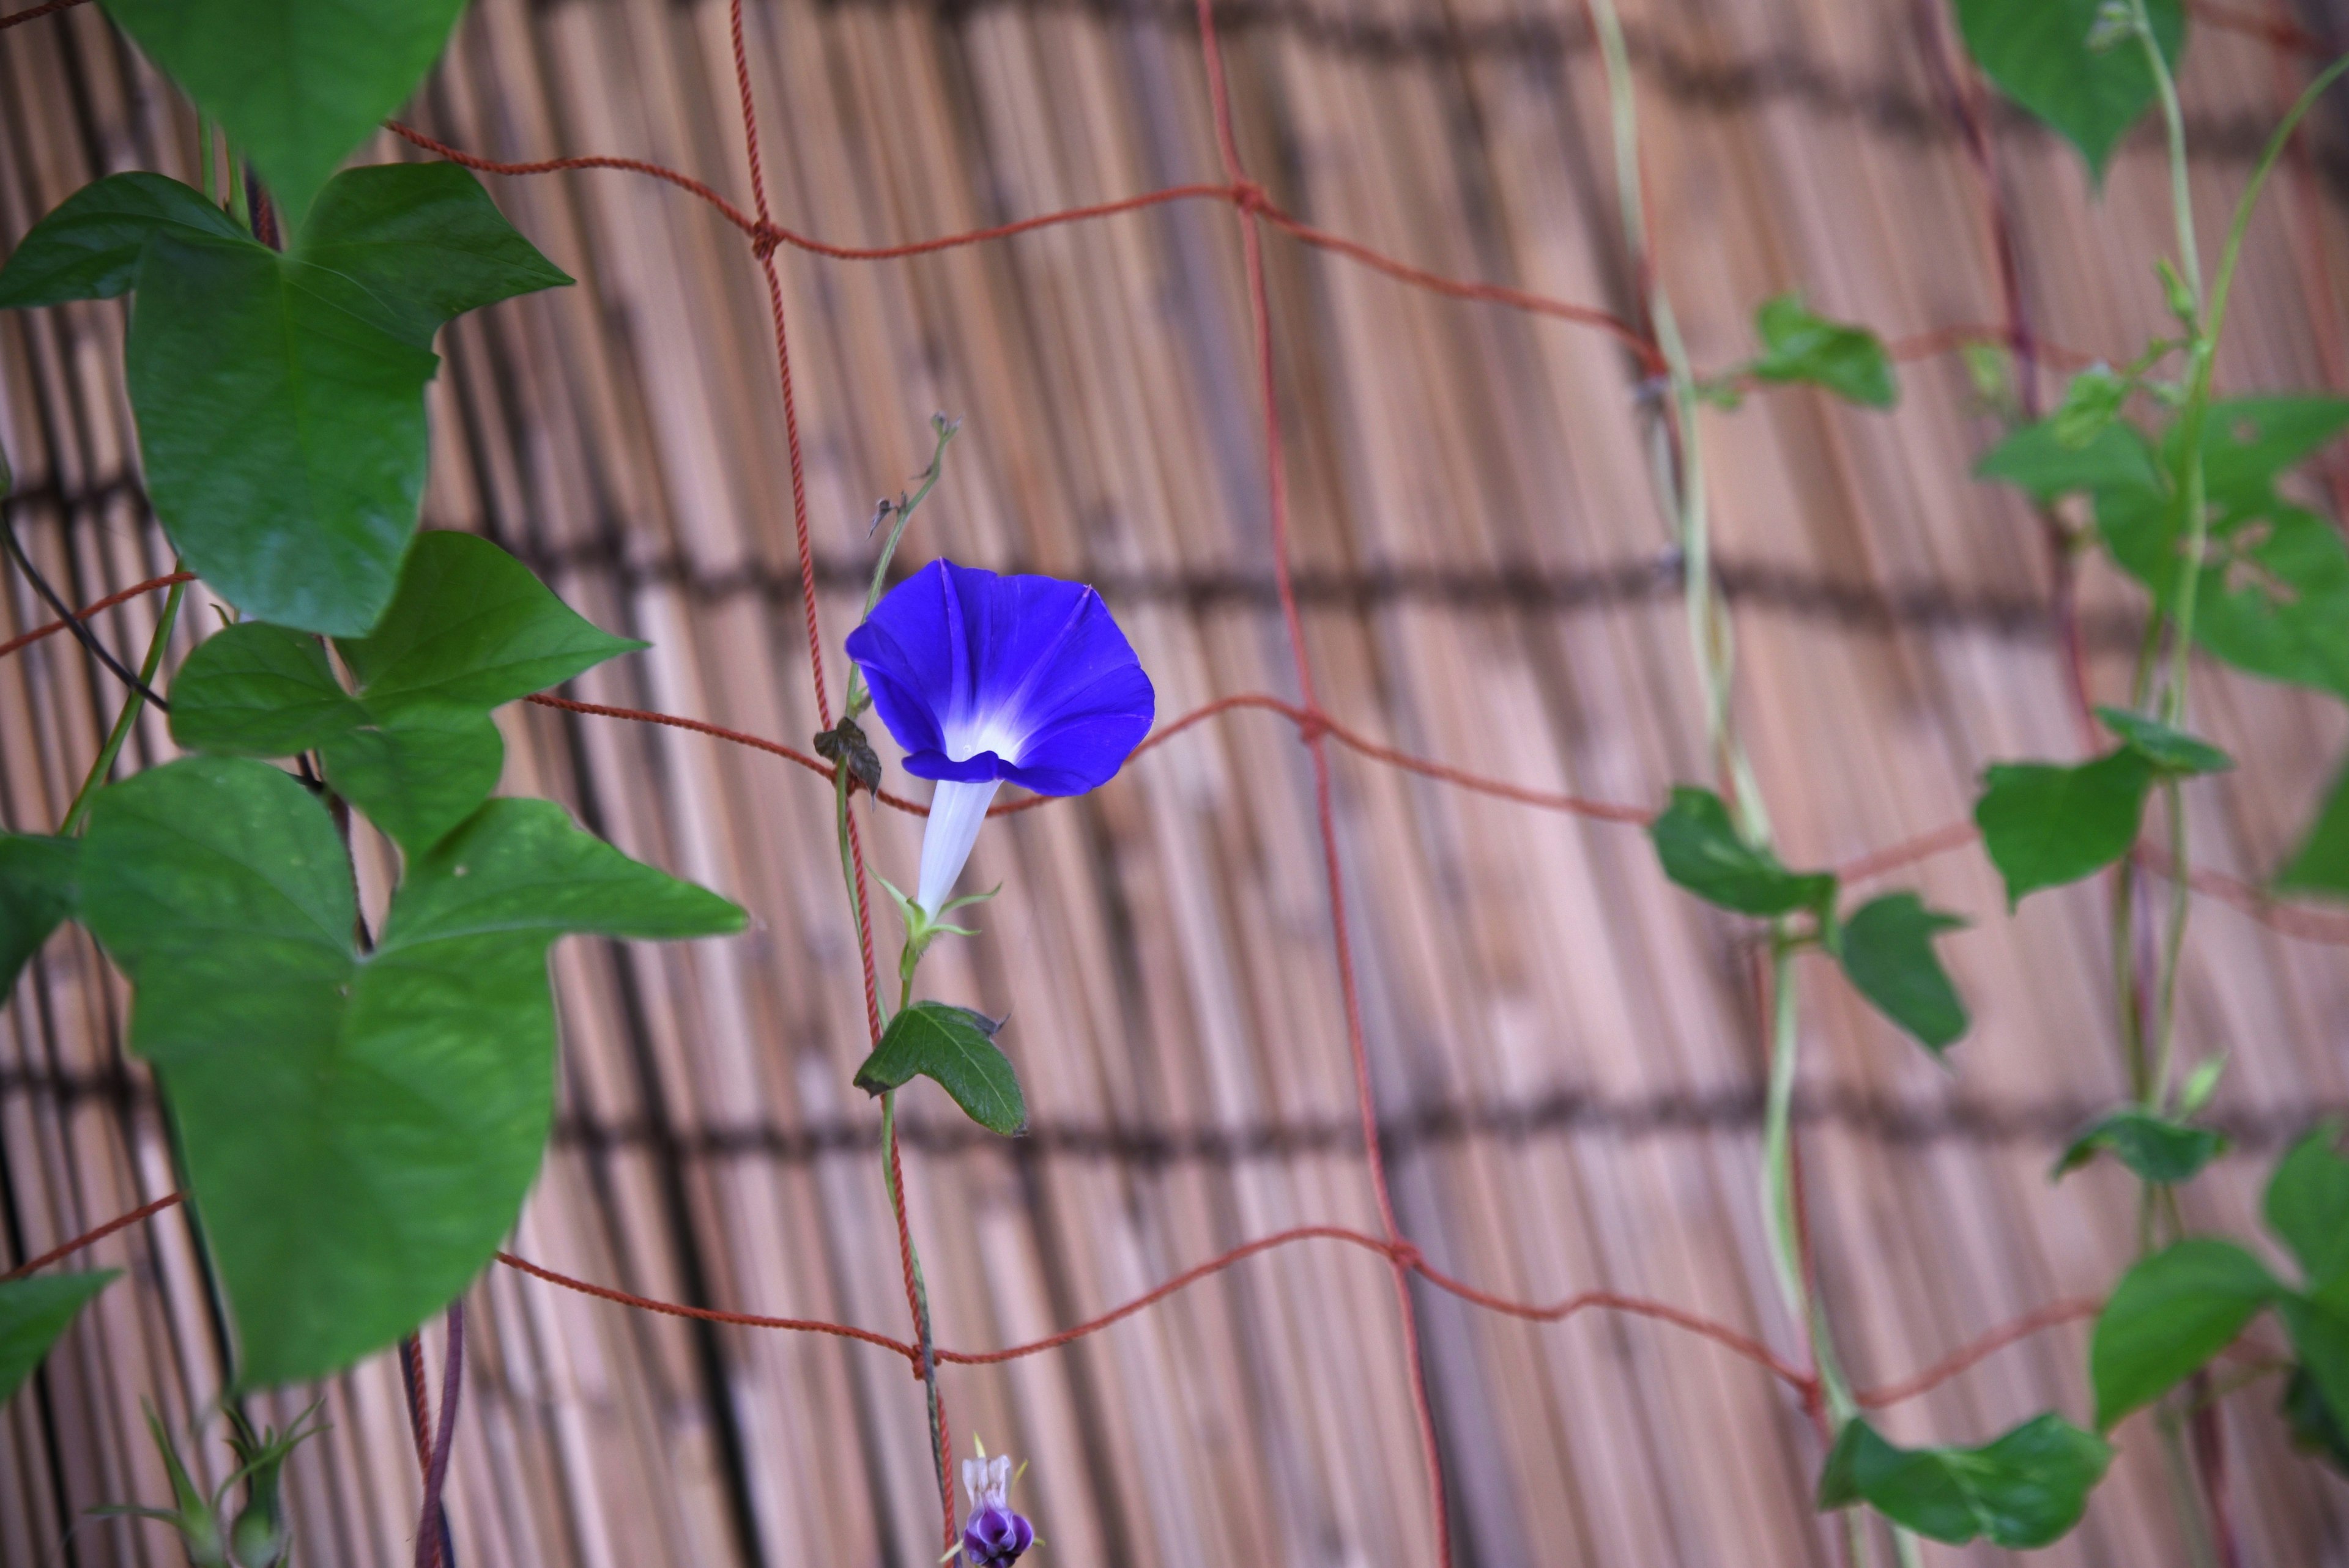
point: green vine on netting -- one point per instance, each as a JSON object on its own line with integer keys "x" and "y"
{"x": 2194, "y": 507}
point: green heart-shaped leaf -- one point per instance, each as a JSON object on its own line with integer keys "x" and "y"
{"x": 1799, "y": 346}
{"x": 359, "y": 1128}
{"x": 2058, "y": 60}
{"x": 2170, "y": 1314}
{"x": 2319, "y": 1325}
{"x": 2308, "y": 1205}
{"x": 2044, "y": 824}
{"x": 425, "y": 239}
{"x": 297, "y": 84}
{"x": 2022, "y": 1490}
{"x": 281, "y": 425}
{"x": 470, "y": 629}
{"x": 419, "y": 772}
{"x": 955, "y": 1047}
{"x": 1887, "y": 949}
{"x": 2272, "y": 597}
{"x": 257, "y": 691}
{"x": 2315, "y": 1430}
{"x": 280, "y": 397}
{"x": 2155, "y": 1148}
{"x": 2039, "y": 460}
{"x": 89, "y": 246}
{"x": 1701, "y": 851}
{"x": 2171, "y": 751}
{"x": 473, "y": 627}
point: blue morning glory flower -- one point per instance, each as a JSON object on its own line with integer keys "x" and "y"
{"x": 986, "y": 679}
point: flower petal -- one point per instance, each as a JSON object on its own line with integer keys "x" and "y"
{"x": 963, "y": 770}
{"x": 1029, "y": 672}
{"x": 1083, "y": 745}
{"x": 894, "y": 675}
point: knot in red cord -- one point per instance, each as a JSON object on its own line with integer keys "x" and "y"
{"x": 1406, "y": 1255}
{"x": 1250, "y": 197}
{"x": 764, "y": 238}
{"x": 1312, "y": 724}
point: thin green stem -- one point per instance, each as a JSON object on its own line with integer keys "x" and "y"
{"x": 2194, "y": 502}
{"x": 2199, "y": 1550}
{"x": 903, "y": 513}
{"x": 2181, "y": 197}
{"x": 925, "y": 1346}
{"x": 2242, "y": 223}
{"x": 2173, "y": 950}
{"x": 1681, "y": 489}
{"x": 855, "y": 699}
{"x": 840, "y": 804}
{"x": 1624, "y": 114}
{"x": 1780, "y": 1223}
{"x": 132, "y": 706}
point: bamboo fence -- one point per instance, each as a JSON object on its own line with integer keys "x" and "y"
{"x": 1565, "y": 1052}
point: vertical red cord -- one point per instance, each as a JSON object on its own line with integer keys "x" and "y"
{"x": 765, "y": 251}
{"x": 1248, "y": 198}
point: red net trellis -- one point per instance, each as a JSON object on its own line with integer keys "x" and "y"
{"x": 1254, "y": 211}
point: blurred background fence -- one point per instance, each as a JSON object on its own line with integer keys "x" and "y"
{"x": 1565, "y": 1052}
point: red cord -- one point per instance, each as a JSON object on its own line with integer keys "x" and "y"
{"x": 1314, "y": 731}
{"x": 1403, "y": 1253}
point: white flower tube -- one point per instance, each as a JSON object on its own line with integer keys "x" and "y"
{"x": 958, "y": 810}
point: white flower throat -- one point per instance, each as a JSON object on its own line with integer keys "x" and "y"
{"x": 958, "y": 810}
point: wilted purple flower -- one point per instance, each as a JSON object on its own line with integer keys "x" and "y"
{"x": 993, "y": 1535}
{"x": 984, "y": 679}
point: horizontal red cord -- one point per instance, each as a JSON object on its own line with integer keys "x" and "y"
{"x": 1403, "y": 1253}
